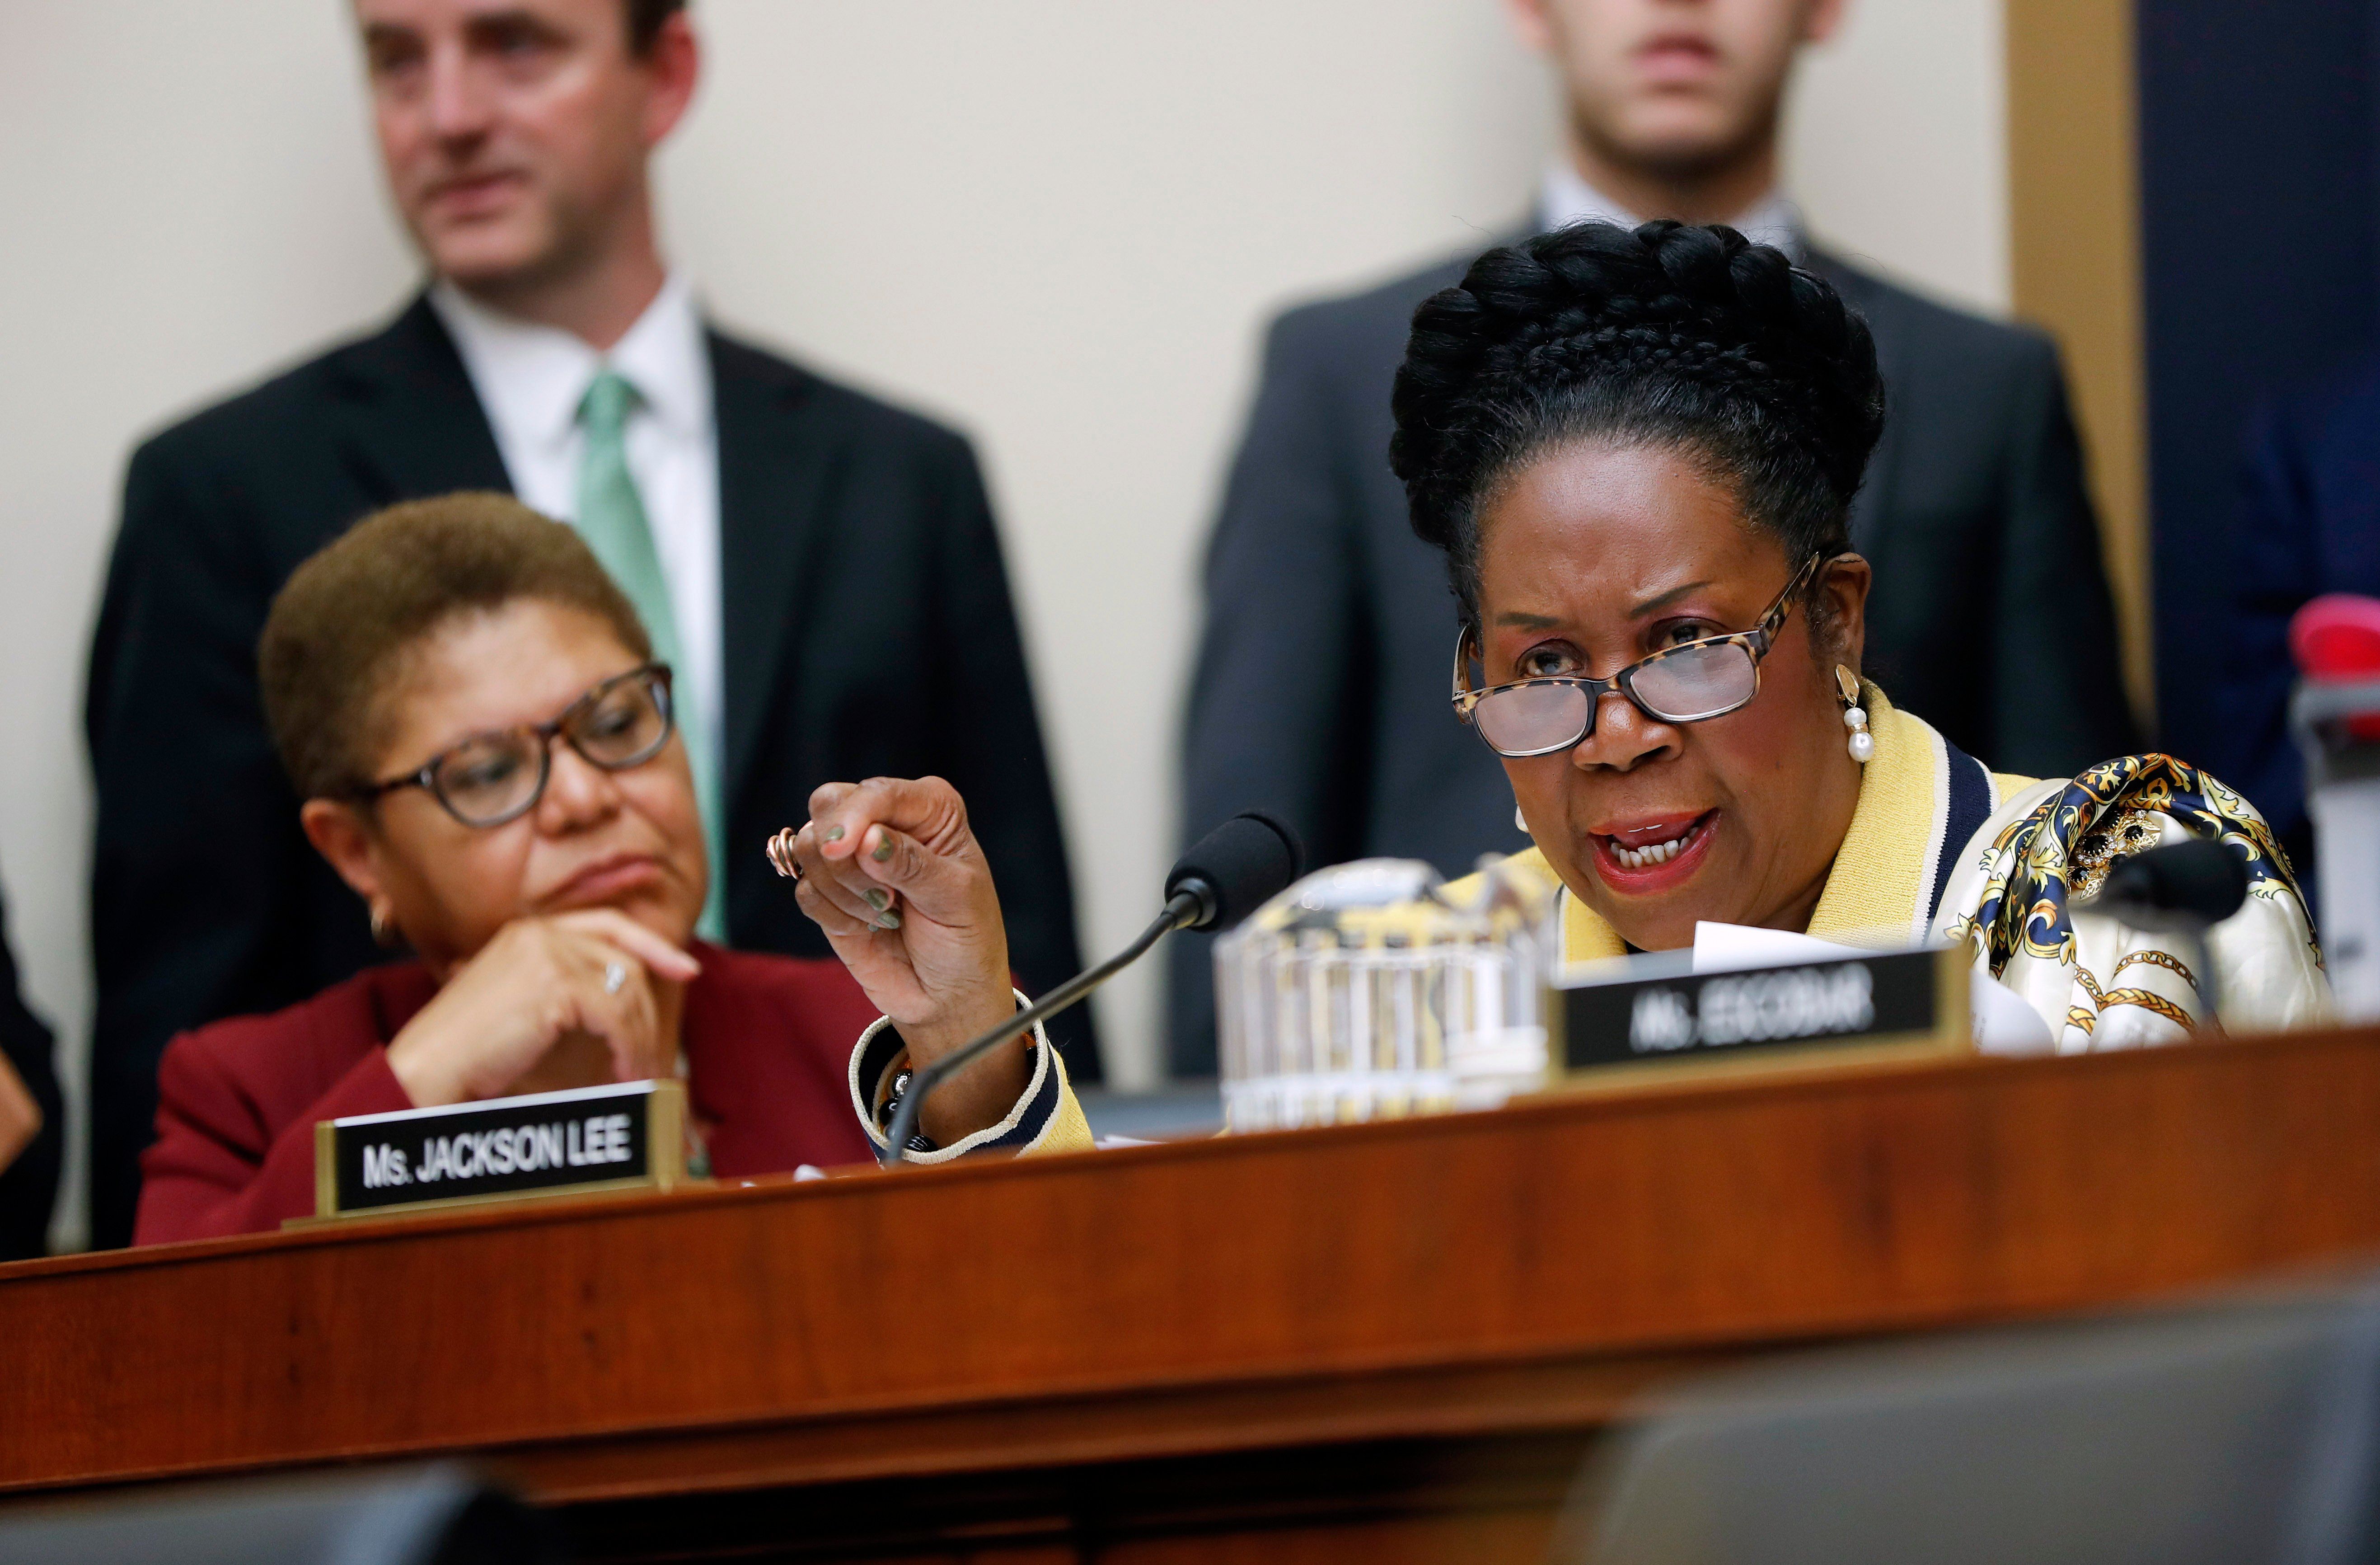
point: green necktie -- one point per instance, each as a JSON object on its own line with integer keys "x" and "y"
{"x": 612, "y": 520}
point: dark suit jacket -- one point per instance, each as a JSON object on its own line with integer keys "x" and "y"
{"x": 868, "y": 633}
{"x": 29, "y": 1187}
{"x": 2310, "y": 525}
{"x": 1321, "y": 683}
{"x": 768, "y": 1049}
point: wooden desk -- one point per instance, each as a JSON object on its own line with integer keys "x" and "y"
{"x": 1390, "y": 1339}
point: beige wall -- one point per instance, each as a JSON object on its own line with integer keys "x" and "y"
{"x": 1056, "y": 224}
{"x": 1898, "y": 149}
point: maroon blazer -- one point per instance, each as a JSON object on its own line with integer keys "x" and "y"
{"x": 768, "y": 1043}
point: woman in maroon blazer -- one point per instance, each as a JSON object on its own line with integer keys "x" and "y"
{"x": 471, "y": 712}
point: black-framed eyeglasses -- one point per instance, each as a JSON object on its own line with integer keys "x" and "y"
{"x": 1687, "y": 683}
{"x": 499, "y": 776}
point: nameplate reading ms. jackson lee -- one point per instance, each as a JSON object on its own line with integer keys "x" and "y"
{"x": 1656, "y": 1012}
{"x": 626, "y": 1136}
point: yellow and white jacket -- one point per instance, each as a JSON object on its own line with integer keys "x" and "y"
{"x": 1941, "y": 849}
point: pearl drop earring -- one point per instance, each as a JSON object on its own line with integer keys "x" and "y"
{"x": 1520, "y": 822}
{"x": 1847, "y": 687}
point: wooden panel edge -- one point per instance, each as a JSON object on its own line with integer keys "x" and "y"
{"x": 2074, "y": 265}
{"x": 862, "y": 1181}
{"x": 596, "y": 1188}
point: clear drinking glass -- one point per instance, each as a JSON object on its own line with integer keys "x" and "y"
{"x": 1364, "y": 992}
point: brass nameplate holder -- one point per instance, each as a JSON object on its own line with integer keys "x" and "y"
{"x": 1618, "y": 1023}
{"x": 628, "y": 1136}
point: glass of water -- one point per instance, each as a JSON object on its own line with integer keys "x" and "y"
{"x": 1366, "y": 992}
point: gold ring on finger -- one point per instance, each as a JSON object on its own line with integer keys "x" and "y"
{"x": 780, "y": 853}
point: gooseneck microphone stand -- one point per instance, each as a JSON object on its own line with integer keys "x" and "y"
{"x": 1181, "y": 912}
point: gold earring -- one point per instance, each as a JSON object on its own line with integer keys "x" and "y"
{"x": 1847, "y": 689}
{"x": 382, "y": 932}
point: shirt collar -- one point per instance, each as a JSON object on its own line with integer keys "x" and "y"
{"x": 1564, "y": 198}
{"x": 531, "y": 378}
{"x": 665, "y": 358}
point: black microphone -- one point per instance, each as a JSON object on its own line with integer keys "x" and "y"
{"x": 1227, "y": 875}
{"x": 1236, "y": 868}
{"x": 2180, "y": 890}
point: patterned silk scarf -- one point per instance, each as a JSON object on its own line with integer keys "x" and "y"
{"x": 2062, "y": 849}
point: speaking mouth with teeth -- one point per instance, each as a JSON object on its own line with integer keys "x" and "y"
{"x": 1639, "y": 850}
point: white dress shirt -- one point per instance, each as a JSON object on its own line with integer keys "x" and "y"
{"x": 530, "y": 380}
{"x": 1564, "y": 198}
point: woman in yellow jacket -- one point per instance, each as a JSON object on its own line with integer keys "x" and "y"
{"x": 1638, "y": 451}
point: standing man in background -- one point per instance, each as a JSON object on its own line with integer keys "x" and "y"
{"x": 1320, "y": 688}
{"x": 822, "y": 569}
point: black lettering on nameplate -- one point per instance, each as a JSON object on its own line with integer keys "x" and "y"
{"x": 1917, "y": 997}
{"x": 625, "y": 1135}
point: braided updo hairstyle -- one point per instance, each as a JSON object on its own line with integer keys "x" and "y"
{"x": 1689, "y": 338}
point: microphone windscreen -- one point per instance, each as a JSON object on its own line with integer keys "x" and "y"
{"x": 2185, "y": 886}
{"x": 1243, "y": 863}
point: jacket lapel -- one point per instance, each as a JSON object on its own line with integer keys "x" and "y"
{"x": 777, "y": 460}
{"x": 410, "y": 424}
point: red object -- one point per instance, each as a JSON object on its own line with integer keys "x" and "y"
{"x": 2335, "y": 639}
{"x": 768, "y": 1044}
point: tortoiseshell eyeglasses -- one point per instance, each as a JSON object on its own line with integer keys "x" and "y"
{"x": 1691, "y": 682}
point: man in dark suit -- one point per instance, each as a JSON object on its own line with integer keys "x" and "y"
{"x": 822, "y": 569}
{"x": 33, "y": 1134}
{"x": 2311, "y": 526}
{"x": 1322, "y": 684}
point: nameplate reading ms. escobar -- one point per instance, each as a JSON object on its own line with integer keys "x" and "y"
{"x": 1654, "y": 1012}
{"x": 628, "y": 1136}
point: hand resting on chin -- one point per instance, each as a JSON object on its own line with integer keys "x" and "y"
{"x": 539, "y": 1007}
